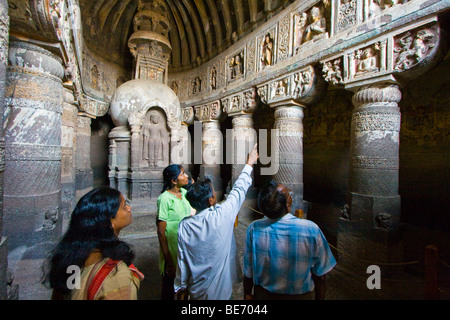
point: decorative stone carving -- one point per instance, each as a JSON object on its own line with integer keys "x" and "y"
{"x": 196, "y": 85}
{"x": 210, "y": 111}
{"x": 332, "y": 71}
{"x": 188, "y": 115}
{"x": 347, "y": 14}
{"x": 374, "y": 7}
{"x": 367, "y": 60}
{"x": 235, "y": 66}
{"x": 243, "y": 102}
{"x": 413, "y": 47}
{"x": 267, "y": 50}
{"x": 299, "y": 29}
{"x": 283, "y": 39}
{"x": 296, "y": 86}
{"x": 250, "y": 66}
{"x": 213, "y": 78}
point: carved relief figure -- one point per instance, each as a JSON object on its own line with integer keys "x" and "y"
{"x": 174, "y": 87}
{"x": 155, "y": 141}
{"x": 299, "y": 29}
{"x": 368, "y": 62}
{"x": 267, "y": 51}
{"x": 302, "y": 81}
{"x": 95, "y": 74}
{"x": 235, "y": 67}
{"x": 332, "y": 71}
{"x": 213, "y": 83}
{"x": 317, "y": 25}
{"x": 196, "y": 85}
{"x": 279, "y": 88}
{"x": 376, "y": 6}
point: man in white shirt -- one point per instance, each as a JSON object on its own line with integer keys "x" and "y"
{"x": 207, "y": 261}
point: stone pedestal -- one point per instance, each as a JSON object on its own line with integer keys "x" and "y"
{"x": 288, "y": 121}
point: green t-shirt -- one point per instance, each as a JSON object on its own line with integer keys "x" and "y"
{"x": 172, "y": 210}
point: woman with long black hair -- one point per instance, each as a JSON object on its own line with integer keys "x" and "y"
{"x": 172, "y": 208}
{"x": 91, "y": 245}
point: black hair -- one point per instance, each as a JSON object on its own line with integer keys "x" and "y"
{"x": 198, "y": 193}
{"x": 89, "y": 228}
{"x": 170, "y": 173}
{"x": 271, "y": 201}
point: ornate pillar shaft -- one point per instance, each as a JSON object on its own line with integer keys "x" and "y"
{"x": 288, "y": 121}
{"x": 120, "y": 146}
{"x": 212, "y": 146}
{"x": 4, "y": 27}
{"x": 84, "y": 175}
{"x": 32, "y": 131}
{"x": 373, "y": 179}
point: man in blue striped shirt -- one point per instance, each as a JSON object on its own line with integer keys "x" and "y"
{"x": 284, "y": 257}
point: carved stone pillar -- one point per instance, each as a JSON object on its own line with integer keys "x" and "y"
{"x": 120, "y": 142}
{"x": 68, "y": 150}
{"x": 33, "y": 93}
{"x": 243, "y": 139}
{"x": 84, "y": 175}
{"x": 4, "y": 26}
{"x": 288, "y": 121}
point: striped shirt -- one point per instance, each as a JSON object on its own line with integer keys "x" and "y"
{"x": 281, "y": 255}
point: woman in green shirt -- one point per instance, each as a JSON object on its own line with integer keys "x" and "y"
{"x": 172, "y": 208}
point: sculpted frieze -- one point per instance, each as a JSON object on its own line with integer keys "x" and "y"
{"x": 266, "y": 45}
{"x": 243, "y": 102}
{"x": 235, "y": 66}
{"x": 310, "y": 25}
{"x": 386, "y": 56}
{"x": 293, "y": 86}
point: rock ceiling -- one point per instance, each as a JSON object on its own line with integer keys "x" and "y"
{"x": 199, "y": 29}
